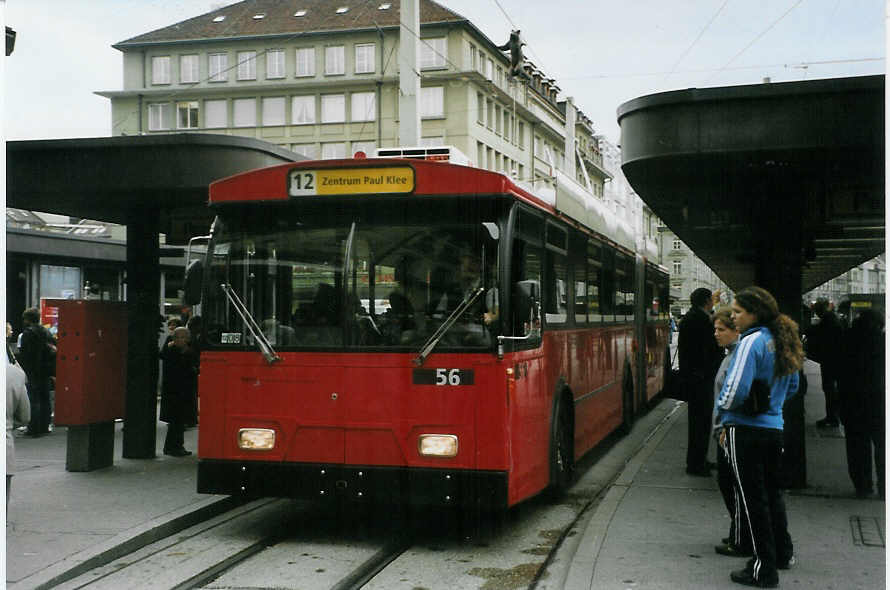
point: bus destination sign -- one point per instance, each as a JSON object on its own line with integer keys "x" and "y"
{"x": 351, "y": 181}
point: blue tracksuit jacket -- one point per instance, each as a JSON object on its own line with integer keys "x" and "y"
{"x": 754, "y": 358}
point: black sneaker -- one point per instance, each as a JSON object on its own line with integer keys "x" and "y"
{"x": 732, "y": 550}
{"x": 746, "y": 578}
{"x": 178, "y": 453}
{"x": 787, "y": 565}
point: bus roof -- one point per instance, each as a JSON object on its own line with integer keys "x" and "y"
{"x": 397, "y": 176}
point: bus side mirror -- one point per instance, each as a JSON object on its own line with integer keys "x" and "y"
{"x": 192, "y": 289}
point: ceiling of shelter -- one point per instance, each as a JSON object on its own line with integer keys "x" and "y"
{"x": 737, "y": 172}
{"x": 108, "y": 178}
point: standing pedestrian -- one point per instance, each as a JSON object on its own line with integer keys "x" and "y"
{"x": 699, "y": 358}
{"x": 37, "y": 356}
{"x": 763, "y": 373}
{"x": 862, "y": 401}
{"x": 177, "y": 390}
{"x": 738, "y": 543}
{"x": 18, "y": 411}
{"x": 823, "y": 339}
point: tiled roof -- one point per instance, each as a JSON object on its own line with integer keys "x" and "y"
{"x": 279, "y": 19}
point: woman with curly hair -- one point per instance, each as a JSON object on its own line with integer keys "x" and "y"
{"x": 762, "y": 374}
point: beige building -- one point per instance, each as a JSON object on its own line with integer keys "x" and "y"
{"x": 321, "y": 79}
{"x": 688, "y": 272}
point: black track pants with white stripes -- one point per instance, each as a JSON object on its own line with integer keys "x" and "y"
{"x": 755, "y": 455}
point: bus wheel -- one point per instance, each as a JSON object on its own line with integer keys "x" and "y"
{"x": 627, "y": 395}
{"x": 562, "y": 453}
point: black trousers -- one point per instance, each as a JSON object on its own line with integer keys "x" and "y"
{"x": 861, "y": 436}
{"x": 700, "y": 408}
{"x": 830, "y": 376}
{"x": 739, "y": 532}
{"x": 175, "y": 439}
{"x": 41, "y": 409}
{"x": 755, "y": 455}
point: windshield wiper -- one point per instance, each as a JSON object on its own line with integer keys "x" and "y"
{"x": 427, "y": 348}
{"x": 261, "y": 341}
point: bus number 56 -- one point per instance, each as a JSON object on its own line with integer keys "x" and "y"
{"x": 447, "y": 376}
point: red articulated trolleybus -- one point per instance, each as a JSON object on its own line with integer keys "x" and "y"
{"x": 415, "y": 331}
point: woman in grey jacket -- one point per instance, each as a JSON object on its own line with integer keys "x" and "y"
{"x": 738, "y": 543}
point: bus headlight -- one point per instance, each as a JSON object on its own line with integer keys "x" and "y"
{"x": 437, "y": 445}
{"x": 256, "y": 439}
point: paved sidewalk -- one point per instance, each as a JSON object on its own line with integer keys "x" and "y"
{"x": 656, "y": 527}
{"x": 59, "y": 520}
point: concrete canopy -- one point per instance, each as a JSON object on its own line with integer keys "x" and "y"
{"x": 769, "y": 175}
{"x": 104, "y": 178}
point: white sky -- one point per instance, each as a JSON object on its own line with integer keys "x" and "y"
{"x": 601, "y": 53}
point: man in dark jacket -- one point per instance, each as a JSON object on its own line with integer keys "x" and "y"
{"x": 699, "y": 358}
{"x": 37, "y": 358}
{"x": 180, "y": 365}
{"x": 862, "y": 400}
{"x": 822, "y": 346}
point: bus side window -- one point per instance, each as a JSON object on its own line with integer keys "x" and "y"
{"x": 526, "y": 293}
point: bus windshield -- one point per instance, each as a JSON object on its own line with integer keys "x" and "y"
{"x": 361, "y": 276}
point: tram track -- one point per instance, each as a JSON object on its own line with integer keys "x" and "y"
{"x": 286, "y": 537}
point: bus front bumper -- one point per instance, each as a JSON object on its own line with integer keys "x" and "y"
{"x": 486, "y": 490}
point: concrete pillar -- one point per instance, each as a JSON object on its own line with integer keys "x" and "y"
{"x": 409, "y": 73}
{"x": 779, "y": 271}
{"x": 143, "y": 292}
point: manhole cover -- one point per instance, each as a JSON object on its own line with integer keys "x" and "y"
{"x": 867, "y": 531}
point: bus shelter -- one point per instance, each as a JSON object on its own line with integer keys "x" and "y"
{"x": 152, "y": 184}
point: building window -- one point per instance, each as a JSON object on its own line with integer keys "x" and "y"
{"x": 497, "y": 120}
{"x": 274, "y": 64}
{"x": 676, "y": 244}
{"x": 432, "y": 101}
{"x": 368, "y": 147}
{"x": 480, "y": 154}
{"x": 305, "y": 65}
{"x": 160, "y": 70}
{"x": 188, "y": 69}
{"x": 302, "y": 110}
{"x": 215, "y": 114}
{"x": 520, "y": 134}
{"x": 247, "y": 65}
{"x": 333, "y": 108}
{"x": 244, "y": 112}
{"x": 218, "y": 67}
{"x": 159, "y": 116}
{"x": 334, "y": 60}
{"x": 305, "y": 149}
{"x": 187, "y": 114}
{"x": 472, "y": 64}
{"x": 508, "y": 120}
{"x": 273, "y": 111}
{"x": 364, "y": 58}
{"x": 433, "y": 52}
{"x": 433, "y": 141}
{"x": 333, "y": 150}
{"x": 480, "y": 108}
{"x": 490, "y": 113}
{"x": 678, "y": 267}
{"x": 364, "y": 106}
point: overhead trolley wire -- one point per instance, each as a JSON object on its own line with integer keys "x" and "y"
{"x": 755, "y": 40}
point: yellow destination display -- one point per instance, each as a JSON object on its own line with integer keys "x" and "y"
{"x": 352, "y": 181}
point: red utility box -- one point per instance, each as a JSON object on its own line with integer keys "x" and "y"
{"x": 91, "y": 361}
{"x": 91, "y": 377}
